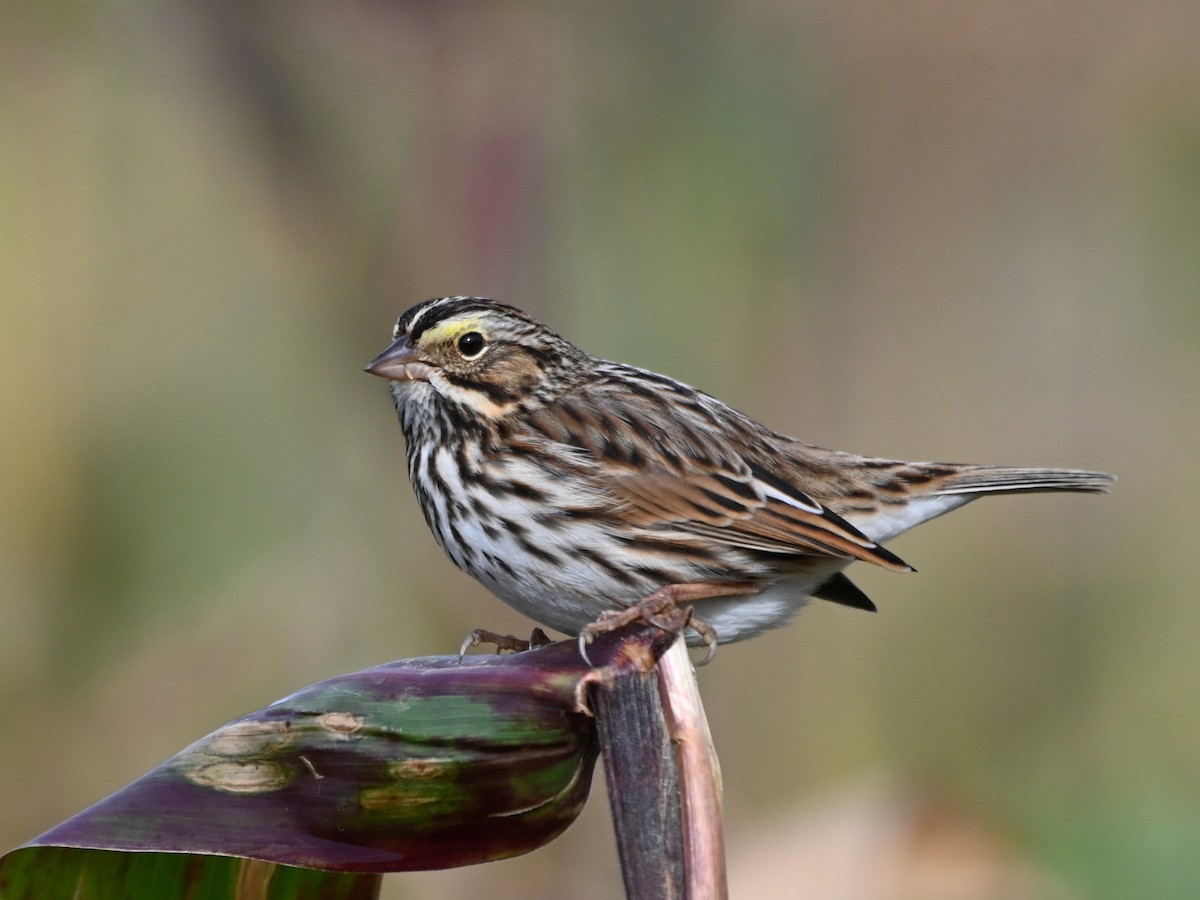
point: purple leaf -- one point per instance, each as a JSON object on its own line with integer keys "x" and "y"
{"x": 418, "y": 764}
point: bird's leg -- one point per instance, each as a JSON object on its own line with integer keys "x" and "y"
{"x": 662, "y": 610}
{"x": 503, "y": 641}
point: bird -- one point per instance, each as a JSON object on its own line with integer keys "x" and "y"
{"x": 587, "y": 493}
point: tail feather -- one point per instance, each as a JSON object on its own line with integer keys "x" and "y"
{"x": 937, "y": 488}
{"x": 990, "y": 479}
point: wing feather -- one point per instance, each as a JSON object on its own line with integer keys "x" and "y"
{"x": 687, "y": 465}
{"x": 755, "y": 515}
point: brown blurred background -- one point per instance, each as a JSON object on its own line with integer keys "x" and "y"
{"x": 923, "y": 230}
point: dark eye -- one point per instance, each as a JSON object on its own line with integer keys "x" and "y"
{"x": 470, "y": 344}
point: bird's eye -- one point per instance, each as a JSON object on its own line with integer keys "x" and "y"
{"x": 470, "y": 344}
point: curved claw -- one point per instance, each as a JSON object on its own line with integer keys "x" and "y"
{"x": 710, "y": 651}
{"x": 472, "y": 640}
{"x": 502, "y": 641}
{"x": 584, "y": 640}
{"x": 707, "y": 633}
{"x": 661, "y": 610}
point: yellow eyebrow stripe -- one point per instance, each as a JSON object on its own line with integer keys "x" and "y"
{"x": 450, "y": 330}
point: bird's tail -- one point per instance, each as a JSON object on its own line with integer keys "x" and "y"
{"x": 1004, "y": 479}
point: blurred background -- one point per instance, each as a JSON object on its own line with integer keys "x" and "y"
{"x": 919, "y": 230}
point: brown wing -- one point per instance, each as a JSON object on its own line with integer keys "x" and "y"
{"x": 748, "y": 508}
{"x": 685, "y": 462}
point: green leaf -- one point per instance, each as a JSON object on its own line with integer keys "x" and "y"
{"x": 418, "y": 764}
{"x": 64, "y": 873}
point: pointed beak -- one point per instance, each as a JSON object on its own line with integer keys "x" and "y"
{"x": 400, "y": 362}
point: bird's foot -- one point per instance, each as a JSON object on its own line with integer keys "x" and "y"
{"x": 662, "y": 609}
{"x": 503, "y": 641}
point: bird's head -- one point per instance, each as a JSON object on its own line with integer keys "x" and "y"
{"x": 475, "y": 353}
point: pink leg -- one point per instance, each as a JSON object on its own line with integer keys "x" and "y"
{"x": 658, "y": 607}
{"x": 503, "y": 641}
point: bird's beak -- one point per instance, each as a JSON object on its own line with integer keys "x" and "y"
{"x": 400, "y": 362}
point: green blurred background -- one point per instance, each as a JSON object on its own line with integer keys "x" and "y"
{"x": 922, "y": 230}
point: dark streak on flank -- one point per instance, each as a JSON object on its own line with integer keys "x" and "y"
{"x": 526, "y": 491}
{"x": 498, "y": 562}
{"x": 536, "y": 551}
{"x": 655, "y": 575}
{"x": 668, "y": 547}
{"x": 619, "y": 573}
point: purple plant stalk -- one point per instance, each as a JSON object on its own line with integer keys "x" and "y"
{"x": 663, "y": 779}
